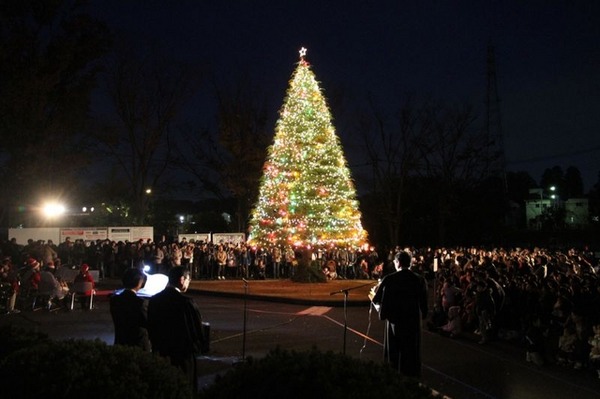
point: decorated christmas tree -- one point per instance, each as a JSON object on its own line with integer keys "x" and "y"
{"x": 307, "y": 197}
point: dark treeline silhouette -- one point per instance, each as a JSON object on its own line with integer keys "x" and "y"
{"x": 89, "y": 119}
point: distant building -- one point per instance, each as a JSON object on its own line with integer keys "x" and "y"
{"x": 534, "y": 208}
{"x": 577, "y": 212}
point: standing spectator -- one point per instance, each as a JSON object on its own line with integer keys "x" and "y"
{"x": 402, "y": 297}
{"x": 187, "y": 255}
{"x": 78, "y": 252}
{"x": 221, "y": 257}
{"x": 175, "y": 324}
{"x": 290, "y": 257}
{"x": 159, "y": 257}
{"x": 31, "y": 249}
{"x": 130, "y": 312}
{"x": 109, "y": 249}
{"x": 49, "y": 255}
{"x": 206, "y": 269}
{"x": 122, "y": 260}
{"x": 175, "y": 255}
{"x": 342, "y": 259}
{"x": 485, "y": 310}
{"x": 197, "y": 261}
{"x": 148, "y": 253}
{"x": 92, "y": 256}
{"x": 245, "y": 261}
{"x": 65, "y": 251}
{"x": 277, "y": 257}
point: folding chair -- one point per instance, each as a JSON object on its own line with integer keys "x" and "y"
{"x": 31, "y": 297}
{"x": 82, "y": 289}
{"x": 5, "y": 294}
{"x": 43, "y": 297}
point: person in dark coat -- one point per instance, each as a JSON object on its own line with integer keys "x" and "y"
{"x": 175, "y": 324}
{"x": 485, "y": 308}
{"x": 402, "y": 300}
{"x": 130, "y": 312}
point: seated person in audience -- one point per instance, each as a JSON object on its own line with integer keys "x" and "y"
{"x": 453, "y": 328}
{"x": 50, "y": 287}
{"x": 31, "y": 277}
{"x": 85, "y": 276}
{"x": 9, "y": 281}
{"x": 566, "y": 346}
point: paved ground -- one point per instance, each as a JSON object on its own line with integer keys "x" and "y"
{"x": 331, "y": 293}
{"x": 298, "y": 316}
{"x": 61, "y": 323}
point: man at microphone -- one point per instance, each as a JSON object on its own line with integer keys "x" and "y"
{"x": 402, "y": 301}
{"x": 175, "y": 325}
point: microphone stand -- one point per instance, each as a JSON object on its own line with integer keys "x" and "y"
{"x": 345, "y": 291}
{"x": 245, "y": 318}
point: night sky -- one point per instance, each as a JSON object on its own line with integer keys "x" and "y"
{"x": 547, "y": 60}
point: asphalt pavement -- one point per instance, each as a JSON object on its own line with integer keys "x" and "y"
{"x": 300, "y": 316}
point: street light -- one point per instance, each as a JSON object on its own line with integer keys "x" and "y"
{"x": 53, "y": 210}
{"x": 553, "y": 196}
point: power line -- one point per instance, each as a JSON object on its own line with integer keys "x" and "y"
{"x": 556, "y": 156}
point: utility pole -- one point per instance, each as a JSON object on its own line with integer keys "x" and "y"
{"x": 493, "y": 121}
{"x": 496, "y": 163}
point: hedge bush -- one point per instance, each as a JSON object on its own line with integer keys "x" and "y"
{"x": 88, "y": 369}
{"x": 14, "y": 338}
{"x": 285, "y": 374}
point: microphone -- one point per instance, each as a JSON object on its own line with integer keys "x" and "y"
{"x": 244, "y": 280}
{"x": 343, "y": 291}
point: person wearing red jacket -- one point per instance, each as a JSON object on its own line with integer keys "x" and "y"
{"x": 9, "y": 284}
{"x": 85, "y": 276}
{"x": 31, "y": 278}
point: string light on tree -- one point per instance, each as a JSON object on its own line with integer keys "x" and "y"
{"x": 307, "y": 196}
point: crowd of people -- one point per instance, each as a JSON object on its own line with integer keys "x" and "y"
{"x": 43, "y": 285}
{"x": 547, "y": 299}
{"x": 204, "y": 260}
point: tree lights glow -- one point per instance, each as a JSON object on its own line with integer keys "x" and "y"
{"x": 307, "y": 196}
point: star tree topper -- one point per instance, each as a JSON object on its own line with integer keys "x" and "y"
{"x": 302, "y": 52}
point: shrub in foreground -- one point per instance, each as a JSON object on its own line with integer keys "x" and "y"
{"x": 89, "y": 369}
{"x": 14, "y": 338}
{"x": 311, "y": 375}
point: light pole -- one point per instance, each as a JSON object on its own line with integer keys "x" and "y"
{"x": 553, "y": 196}
{"x": 53, "y": 210}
